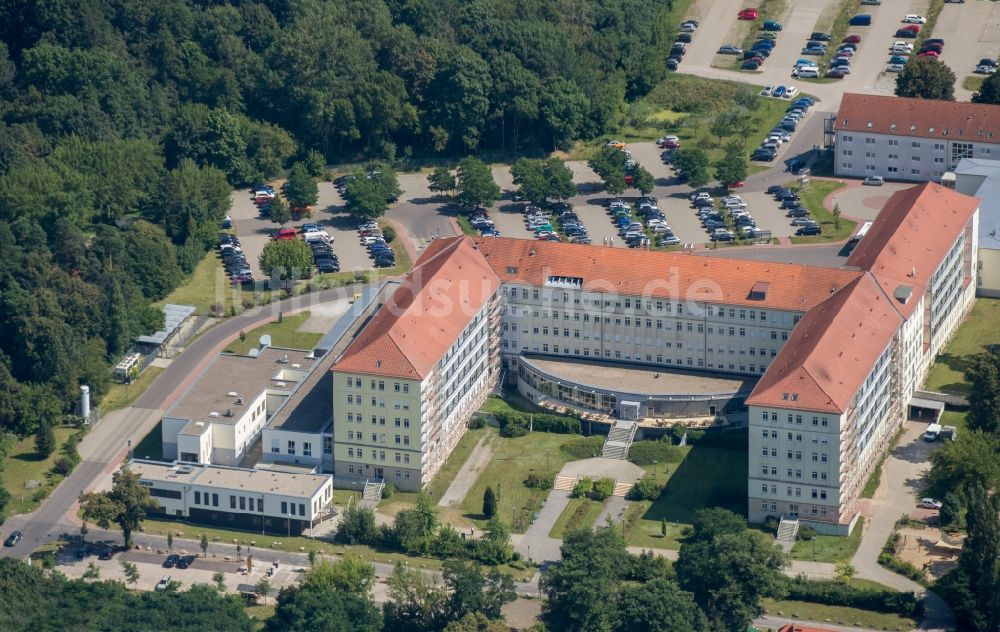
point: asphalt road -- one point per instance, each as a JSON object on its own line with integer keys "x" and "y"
{"x": 108, "y": 442}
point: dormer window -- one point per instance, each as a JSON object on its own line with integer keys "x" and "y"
{"x": 913, "y": 128}
{"x": 944, "y": 132}
{"x": 869, "y": 124}
{"x": 892, "y": 127}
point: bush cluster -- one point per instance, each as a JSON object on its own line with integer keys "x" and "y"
{"x": 834, "y": 593}
{"x": 646, "y": 488}
{"x": 514, "y": 424}
{"x": 661, "y": 451}
{"x": 805, "y": 534}
{"x": 535, "y": 481}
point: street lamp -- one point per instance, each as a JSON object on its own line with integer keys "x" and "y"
{"x": 548, "y": 451}
{"x": 654, "y": 468}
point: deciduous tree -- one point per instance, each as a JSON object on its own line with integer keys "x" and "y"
{"x": 441, "y": 180}
{"x": 125, "y": 505}
{"x": 301, "y": 188}
{"x": 926, "y": 78}
{"x": 476, "y": 186}
{"x": 984, "y": 393}
{"x": 278, "y": 212}
{"x": 286, "y": 259}
{"x": 692, "y": 162}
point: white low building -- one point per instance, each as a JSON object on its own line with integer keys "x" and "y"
{"x": 979, "y": 177}
{"x": 260, "y": 500}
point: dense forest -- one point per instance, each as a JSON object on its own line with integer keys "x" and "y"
{"x": 124, "y": 123}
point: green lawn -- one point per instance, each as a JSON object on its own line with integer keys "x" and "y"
{"x": 123, "y": 395}
{"x": 829, "y": 548}
{"x": 957, "y": 418}
{"x": 839, "y": 615}
{"x": 978, "y": 332}
{"x": 151, "y": 446}
{"x": 206, "y": 285}
{"x": 712, "y": 474}
{"x": 973, "y": 82}
{"x": 812, "y": 197}
{"x": 579, "y": 513}
{"x": 23, "y": 464}
{"x": 283, "y": 334}
{"x": 515, "y": 458}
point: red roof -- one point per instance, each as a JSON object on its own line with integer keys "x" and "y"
{"x": 831, "y": 351}
{"x": 911, "y": 236}
{"x": 409, "y": 335}
{"x": 919, "y": 118}
{"x": 665, "y": 274}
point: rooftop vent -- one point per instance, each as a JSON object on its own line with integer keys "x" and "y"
{"x": 229, "y": 412}
{"x": 280, "y": 384}
{"x": 283, "y": 359}
{"x": 213, "y": 414}
{"x": 200, "y": 424}
{"x": 531, "y": 253}
{"x": 296, "y": 366}
{"x": 511, "y": 269}
{"x": 239, "y": 400}
{"x": 232, "y": 394}
{"x": 903, "y": 293}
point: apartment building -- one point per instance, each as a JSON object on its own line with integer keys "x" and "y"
{"x": 260, "y": 500}
{"x": 822, "y": 417}
{"x": 405, "y": 388}
{"x": 911, "y": 139}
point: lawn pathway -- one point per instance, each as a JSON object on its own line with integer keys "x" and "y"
{"x": 614, "y": 509}
{"x": 469, "y": 473}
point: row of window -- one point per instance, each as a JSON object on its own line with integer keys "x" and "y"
{"x": 773, "y": 471}
{"x": 693, "y": 309}
{"x": 820, "y": 457}
{"x": 773, "y": 434}
{"x": 766, "y": 506}
{"x": 377, "y": 438}
{"x": 358, "y": 470}
{"x": 378, "y": 385}
{"x": 377, "y": 455}
{"x": 795, "y": 492}
{"x": 377, "y": 420}
{"x": 797, "y": 418}
{"x": 379, "y": 402}
{"x": 306, "y": 447}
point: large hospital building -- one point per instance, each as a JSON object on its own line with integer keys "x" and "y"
{"x": 819, "y": 363}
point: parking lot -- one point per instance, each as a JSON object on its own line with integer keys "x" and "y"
{"x": 255, "y": 230}
{"x": 971, "y": 31}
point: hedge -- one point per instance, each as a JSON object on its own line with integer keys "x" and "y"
{"x": 833, "y": 593}
{"x": 514, "y": 424}
{"x": 646, "y": 488}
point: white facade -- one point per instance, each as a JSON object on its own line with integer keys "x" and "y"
{"x": 860, "y": 154}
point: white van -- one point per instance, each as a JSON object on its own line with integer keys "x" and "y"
{"x": 321, "y": 235}
{"x": 933, "y": 432}
{"x": 806, "y": 72}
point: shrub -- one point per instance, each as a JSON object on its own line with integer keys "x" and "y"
{"x": 389, "y": 233}
{"x": 645, "y": 452}
{"x": 535, "y": 481}
{"x": 603, "y": 489}
{"x": 516, "y": 424}
{"x": 583, "y": 487}
{"x": 449, "y": 544}
{"x": 771, "y": 523}
{"x": 646, "y": 488}
{"x": 833, "y": 593}
{"x": 388, "y": 490}
{"x": 62, "y": 466}
{"x": 357, "y": 526}
{"x": 476, "y": 422}
{"x": 806, "y": 534}
{"x": 897, "y": 565}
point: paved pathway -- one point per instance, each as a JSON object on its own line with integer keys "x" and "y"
{"x": 536, "y": 544}
{"x": 469, "y": 472}
{"x": 614, "y": 509}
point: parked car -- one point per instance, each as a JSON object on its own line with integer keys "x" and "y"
{"x": 748, "y": 14}
{"x": 729, "y": 49}
{"x": 897, "y": 59}
{"x": 874, "y": 181}
{"x": 13, "y": 538}
{"x": 861, "y": 19}
{"x": 929, "y": 503}
{"x": 852, "y": 39}
{"x": 814, "y": 50}
{"x": 750, "y": 65}
{"x": 771, "y": 25}
{"x": 914, "y": 19}
{"x": 283, "y": 234}
{"x": 163, "y": 584}
{"x": 835, "y": 74}
{"x": 171, "y": 560}
{"x": 820, "y": 36}
{"x": 689, "y": 26}
{"x": 685, "y": 38}
{"x": 107, "y": 553}
{"x": 812, "y": 229}
{"x": 983, "y": 69}
{"x": 906, "y": 33}
{"x": 895, "y": 68}
{"x": 875, "y": 3}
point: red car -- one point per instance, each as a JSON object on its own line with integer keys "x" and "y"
{"x": 284, "y": 233}
{"x": 914, "y": 28}
{"x": 735, "y": 185}
{"x": 748, "y": 14}
{"x": 929, "y": 53}
{"x": 852, "y": 39}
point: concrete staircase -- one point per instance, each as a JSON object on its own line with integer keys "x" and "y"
{"x": 788, "y": 529}
{"x": 564, "y": 483}
{"x": 619, "y": 440}
{"x": 373, "y": 490}
{"x": 621, "y": 489}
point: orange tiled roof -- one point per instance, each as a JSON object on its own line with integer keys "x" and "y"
{"x": 911, "y": 236}
{"x": 408, "y": 336}
{"x": 831, "y": 351}
{"x": 919, "y": 118}
{"x": 664, "y": 274}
